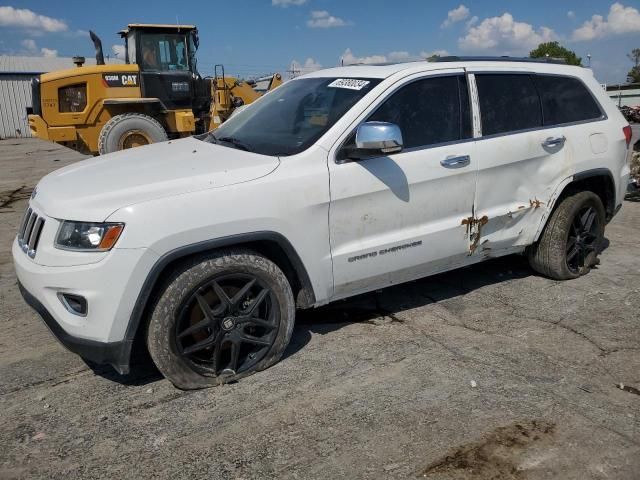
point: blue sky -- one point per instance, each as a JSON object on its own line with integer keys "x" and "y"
{"x": 260, "y": 36}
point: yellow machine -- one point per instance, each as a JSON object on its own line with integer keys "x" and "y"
{"x": 156, "y": 95}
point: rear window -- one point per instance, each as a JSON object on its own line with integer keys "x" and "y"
{"x": 508, "y": 103}
{"x": 565, "y": 100}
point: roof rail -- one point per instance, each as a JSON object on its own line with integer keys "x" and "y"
{"x": 454, "y": 58}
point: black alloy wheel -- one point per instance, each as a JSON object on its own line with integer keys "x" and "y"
{"x": 572, "y": 238}
{"x": 227, "y": 325}
{"x": 583, "y": 240}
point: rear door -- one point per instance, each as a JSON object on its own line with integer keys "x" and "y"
{"x": 400, "y": 216}
{"x": 520, "y": 161}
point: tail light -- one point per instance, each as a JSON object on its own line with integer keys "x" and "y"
{"x": 627, "y": 134}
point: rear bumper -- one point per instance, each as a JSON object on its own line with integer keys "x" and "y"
{"x": 113, "y": 353}
{"x": 40, "y": 129}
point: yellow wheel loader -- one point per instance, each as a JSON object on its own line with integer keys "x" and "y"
{"x": 155, "y": 95}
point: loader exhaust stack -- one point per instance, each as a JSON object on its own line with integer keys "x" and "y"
{"x": 98, "y": 46}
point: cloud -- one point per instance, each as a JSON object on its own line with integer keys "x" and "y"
{"x": 472, "y": 21}
{"x": 504, "y": 33}
{"x": 24, "y": 18}
{"x": 322, "y": 19}
{"x": 118, "y": 51}
{"x": 620, "y": 20}
{"x": 48, "y": 52}
{"x": 29, "y": 44}
{"x": 310, "y": 65}
{"x": 399, "y": 56}
{"x": 456, "y": 15}
{"x": 348, "y": 58}
{"x": 571, "y": 14}
{"x": 77, "y": 33}
{"x": 287, "y": 3}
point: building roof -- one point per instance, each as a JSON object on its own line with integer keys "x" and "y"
{"x": 623, "y": 86}
{"x": 10, "y": 64}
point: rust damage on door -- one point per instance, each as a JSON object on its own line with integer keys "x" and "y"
{"x": 535, "y": 203}
{"x": 474, "y": 230}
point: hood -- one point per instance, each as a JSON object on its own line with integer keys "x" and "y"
{"x": 92, "y": 189}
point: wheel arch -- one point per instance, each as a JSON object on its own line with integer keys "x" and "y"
{"x": 598, "y": 180}
{"x": 272, "y": 245}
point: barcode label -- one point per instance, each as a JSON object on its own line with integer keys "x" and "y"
{"x": 349, "y": 83}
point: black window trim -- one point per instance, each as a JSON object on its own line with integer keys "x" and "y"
{"x": 603, "y": 114}
{"x": 389, "y": 93}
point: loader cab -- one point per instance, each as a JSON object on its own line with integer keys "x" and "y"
{"x": 165, "y": 55}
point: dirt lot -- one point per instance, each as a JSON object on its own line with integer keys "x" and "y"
{"x": 486, "y": 372}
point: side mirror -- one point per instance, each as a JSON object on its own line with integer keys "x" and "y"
{"x": 380, "y": 137}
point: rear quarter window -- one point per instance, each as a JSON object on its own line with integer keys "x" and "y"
{"x": 565, "y": 100}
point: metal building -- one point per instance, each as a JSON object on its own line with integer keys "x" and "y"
{"x": 625, "y": 94}
{"x": 15, "y": 88}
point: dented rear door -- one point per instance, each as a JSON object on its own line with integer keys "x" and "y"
{"x": 519, "y": 162}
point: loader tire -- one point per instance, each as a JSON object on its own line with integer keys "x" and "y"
{"x": 130, "y": 130}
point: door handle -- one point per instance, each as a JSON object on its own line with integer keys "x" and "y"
{"x": 552, "y": 142}
{"x": 456, "y": 162}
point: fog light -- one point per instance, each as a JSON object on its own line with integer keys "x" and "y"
{"x": 75, "y": 304}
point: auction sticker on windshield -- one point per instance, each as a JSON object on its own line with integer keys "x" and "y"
{"x": 349, "y": 83}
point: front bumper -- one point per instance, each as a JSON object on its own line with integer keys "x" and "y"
{"x": 114, "y": 353}
{"x": 110, "y": 285}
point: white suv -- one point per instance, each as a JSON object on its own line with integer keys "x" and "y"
{"x": 337, "y": 183}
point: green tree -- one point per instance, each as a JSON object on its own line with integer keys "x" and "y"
{"x": 555, "y": 50}
{"x": 634, "y": 74}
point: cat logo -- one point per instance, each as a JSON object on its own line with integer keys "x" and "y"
{"x": 120, "y": 79}
{"x": 129, "y": 80}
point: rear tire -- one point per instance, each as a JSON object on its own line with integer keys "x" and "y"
{"x": 130, "y": 130}
{"x": 572, "y": 239}
{"x": 220, "y": 318}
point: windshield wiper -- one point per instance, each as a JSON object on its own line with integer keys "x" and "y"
{"x": 235, "y": 142}
{"x": 207, "y": 137}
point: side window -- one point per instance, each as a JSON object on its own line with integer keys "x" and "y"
{"x": 162, "y": 52}
{"x": 565, "y": 100}
{"x": 508, "y": 103}
{"x": 429, "y": 111}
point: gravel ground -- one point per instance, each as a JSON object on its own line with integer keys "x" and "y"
{"x": 486, "y": 372}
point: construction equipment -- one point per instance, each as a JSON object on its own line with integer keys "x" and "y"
{"x": 155, "y": 95}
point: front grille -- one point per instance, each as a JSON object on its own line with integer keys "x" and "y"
{"x": 29, "y": 233}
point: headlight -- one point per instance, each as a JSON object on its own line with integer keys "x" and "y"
{"x": 96, "y": 237}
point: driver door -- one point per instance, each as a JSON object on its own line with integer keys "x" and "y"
{"x": 165, "y": 70}
{"x": 397, "y": 217}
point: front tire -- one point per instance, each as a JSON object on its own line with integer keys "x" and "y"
{"x": 572, "y": 239}
{"x": 220, "y": 318}
{"x": 130, "y": 130}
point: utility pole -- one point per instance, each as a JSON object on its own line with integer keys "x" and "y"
{"x": 293, "y": 70}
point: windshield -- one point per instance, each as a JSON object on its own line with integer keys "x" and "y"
{"x": 164, "y": 51}
{"x": 293, "y": 116}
